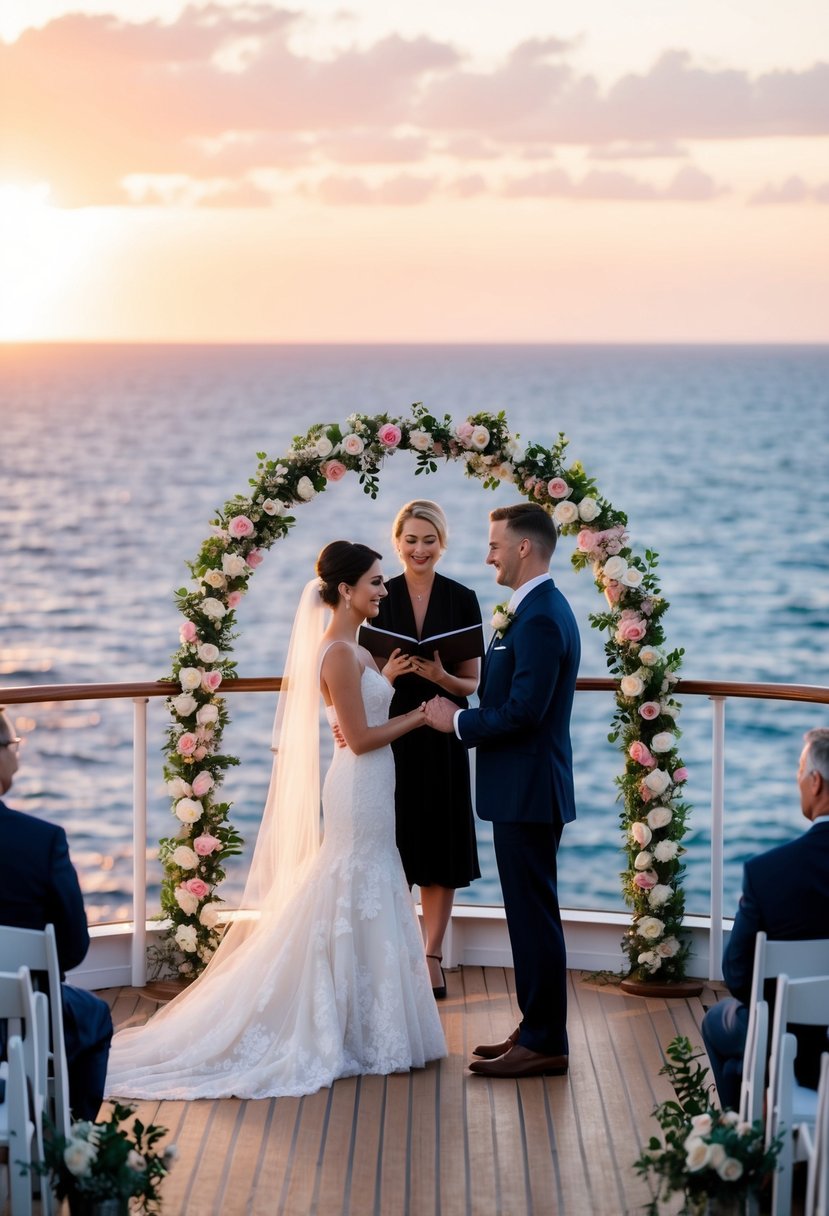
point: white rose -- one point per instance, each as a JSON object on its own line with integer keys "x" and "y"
{"x": 208, "y": 653}
{"x": 663, "y": 742}
{"x": 696, "y": 1154}
{"x": 641, "y": 834}
{"x": 660, "y": 817}
{"x": 234, "y": 565}
{"x": 189, "y": 678}
{"x": 730, "y": 1169}
{"x": 136, "y": 1162}
{"x": 668, "y": 709}
{"x": 565, "y": 513}
{"x": 632, "y": 686}
{"x": 659, "y": 895}
{"x": 650, "y": 960}
{"x": 642, "y": 861}
{"x": 479, "y": 438}
{"x": 649, "y": 656}
{"x": 506, "y": 471}
{"x": 214, "y": 609}
{"x": 650, "y": 927}
{"x": 184, "y": 704}
{"x": 421, "y": 441}
{"x": 729, "y": 1118}
{"x": 209, "y": 915}
{"x": 305, "y": 489}
{"x": 669, "y": 947}
{"x": 185, "y": 858}
{"x": 215, "y": 578}
{"x": 631, "y": 577}
{"x": 353, "y": 445}
{"x": 272, "y": 508}
{"x": 179, "y": 788}
{"x": 323, "y": 447}
{"x": 657, "y": 781}
{"x": 702, "y": 1125}
{"x": 78, "y": 1157}
{"x": 186, "y": 901}
{"x": 186, "y": 938}
{"x": 614, "y": 568}
{"x": 716, "y": 1156}
{"x": 207, "y": 714}
{"x": 666, "y": 850}
{"x": 588, "y": 509}
{"x": 499, "y": 622}
{"x": 188, "y": 810}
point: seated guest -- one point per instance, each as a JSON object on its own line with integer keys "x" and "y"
{"x": 39, "y": 886}
{"x": 786, "y": 895}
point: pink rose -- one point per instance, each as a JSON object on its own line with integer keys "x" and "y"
{"x": 200, "y": 753}
{"x": 234, "y": 599}
{"x": 464, "y": 431}
{"x": 587, "y": 539}
{"x": 334, "y": 470}
{"x": 188, "y": 632}
{"x": 255, "y": 558}
{"x": 640, "y": 754}
{"x": 206, "y": 844}
{"x": 645, "y": 793}
{"x": 240, "y": 526}
{"x": 187, "y": 744}
{"x": 540, "y": 489}
{"x": 650, "y": 710}
{"x": 210, "y": 680}
{"x": 202, "y": 782}
{"x": 645, "y": 881}
{"x": 680, "y": 775}
{"x": 613, "y": 592}
{"x": 437, "y": 448}
{"x": 197, "y": 887}
{"x": 558, "y": 488}
{"x": 389, "y": 435}
{"x": 630, "y": 630}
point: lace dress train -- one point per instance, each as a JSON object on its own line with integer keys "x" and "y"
{"x": 334, "y": 986}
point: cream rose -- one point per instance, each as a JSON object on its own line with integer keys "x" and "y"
{"x": 641, "y": 834}
{"x": 650, "y": 927}
{"x": 209, "y": 915}
{"x": 588, "y": 509}
{"x": 184, "y": 704}
{"x": 215, "y": 579}
{"x": 213, "y": 608}
{"x": 207, "y": 715}
{"x": 696, "y": 1151}
{"x": 186, "y": 938}
{"x": 499, "y": 622}
{"x": 323, "y": 447}
{"x": 663, "y": 742}
{"x": 234, "y": 565}
{"x": 305, "y": 489}
{"x": 187, "y": 810}
{"x": 657, "y": 781}
{"x": 660, "y": 817}
{"x": 187, "y": 902}
{"x": 189, "y": 678}
{"x": 270, "y": 507}
{"x": 479, "y": 438}
{"x": 179, "y": 788}
{"x": 614, "y": 568}
{"x": 642, "y": 861}
{"x": 730, "y": 1170}
{"x": 702, "y": 1125}
{"x": 208, "y": 653}
{"x": 631, "y": 577}
{"x": 649, "y": 656}
{"x": 565, "y": 513}
{"x": 78, "y": 1157}
{"x": 669, "y": 947}
{"x": 632, "y": 686}
{"x": 185, "y": 858}
{"x": 353, "y": 445}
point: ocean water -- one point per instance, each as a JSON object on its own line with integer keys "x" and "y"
{"x": 113, "y": 459}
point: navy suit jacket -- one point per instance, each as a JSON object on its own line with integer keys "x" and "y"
{"x": 785, "y": 894}
{"x": 38, "y": 883}
{"x": 521, "y": 729}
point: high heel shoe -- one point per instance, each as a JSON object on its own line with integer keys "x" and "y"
{"x": 439, "y": 993}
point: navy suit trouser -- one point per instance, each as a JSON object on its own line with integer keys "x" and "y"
{"x": 87, "y": 1030}
{"x": 526, "y": 857}
{"x": 724, "y": 1031}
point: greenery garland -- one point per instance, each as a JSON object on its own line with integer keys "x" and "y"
{"x": 653, "y": 816}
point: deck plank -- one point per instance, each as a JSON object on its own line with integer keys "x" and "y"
{"x": 440, "y": 1141}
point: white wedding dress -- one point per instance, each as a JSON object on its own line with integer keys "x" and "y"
{"x": 335, "y": 985}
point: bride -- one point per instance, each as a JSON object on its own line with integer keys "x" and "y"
{"x": 330, "y": 980}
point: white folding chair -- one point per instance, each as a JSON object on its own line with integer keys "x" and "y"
{"x": 24, "y": 1013}
{"x": 816, "y": 1147}
{"x": 16, "y": 1130}
{"x": 799, "y": 960}
{"x": 792, "y": 1108}
{"x": 37, "y": 949}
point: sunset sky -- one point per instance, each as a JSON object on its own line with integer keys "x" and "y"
{"x": 446, "y": 170}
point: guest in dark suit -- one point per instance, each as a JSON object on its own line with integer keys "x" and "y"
{"x": 39, "y": 886}
{"x": 786, "y": 895}
{"x": 524, "y": 779}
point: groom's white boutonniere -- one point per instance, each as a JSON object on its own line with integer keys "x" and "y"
{"x": 502, "y": 618}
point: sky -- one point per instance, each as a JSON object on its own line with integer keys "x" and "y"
{"x": 446, "y": 171}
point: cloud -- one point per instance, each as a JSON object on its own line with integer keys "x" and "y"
{"x": 792, "y": 190}
{"x": 199, "y": 109}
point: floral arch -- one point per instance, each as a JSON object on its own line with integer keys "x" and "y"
{"x": 644, "y": 724}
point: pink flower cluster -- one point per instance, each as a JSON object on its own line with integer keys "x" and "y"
{"x": 197, "y": 887}
{"x": 389, "y": 435}
{"x": 206, "y": 844}
{"x": 640, "y": 753}
{"x": 602, "y": 544}
{"x": 631, "y": 627}
{"x": 334, "y": 470}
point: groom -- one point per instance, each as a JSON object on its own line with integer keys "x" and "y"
{"x": 524, "y": 779}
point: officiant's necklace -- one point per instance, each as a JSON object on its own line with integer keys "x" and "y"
{"x": 420, "y": 596}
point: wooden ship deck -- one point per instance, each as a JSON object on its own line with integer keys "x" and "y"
{"x": 441, "y": 1141}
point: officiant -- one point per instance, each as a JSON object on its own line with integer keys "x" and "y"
{"x": 433, "y": 805}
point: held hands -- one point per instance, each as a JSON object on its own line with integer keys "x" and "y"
{"x": 440, "y": 714}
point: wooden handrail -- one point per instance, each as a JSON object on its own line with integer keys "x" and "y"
{"x": 34, "y": 694}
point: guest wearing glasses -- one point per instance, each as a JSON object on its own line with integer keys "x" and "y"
{"x": 39, "y": 886}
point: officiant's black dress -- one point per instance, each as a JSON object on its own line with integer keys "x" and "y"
{"x": 433, "y": 806}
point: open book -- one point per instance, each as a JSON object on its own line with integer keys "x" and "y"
{"x": 453, "y": 647}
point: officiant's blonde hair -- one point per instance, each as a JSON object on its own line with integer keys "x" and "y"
{"x": 422, "y": 508}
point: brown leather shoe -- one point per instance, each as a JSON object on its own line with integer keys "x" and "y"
{"x": 491, "y": 1051}
{"x": 521, "y": 1062}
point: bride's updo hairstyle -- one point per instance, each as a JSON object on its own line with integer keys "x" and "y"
{"x": 421, "y": 508}
{"x": 342, "y": 562}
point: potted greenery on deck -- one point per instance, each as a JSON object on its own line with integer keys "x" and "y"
{"x": 709, "y": 1156}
